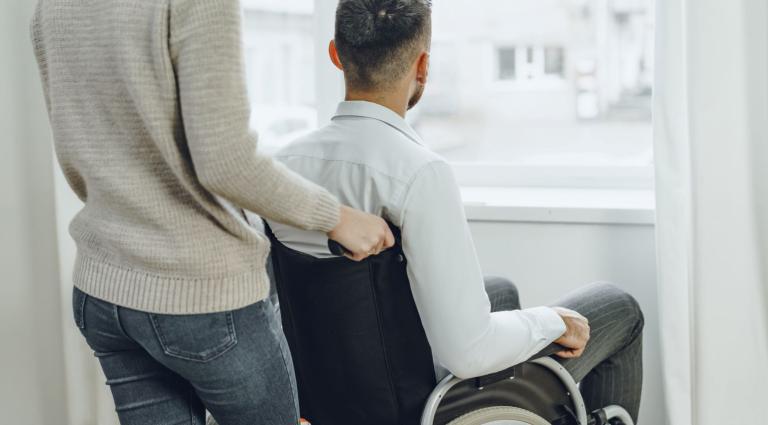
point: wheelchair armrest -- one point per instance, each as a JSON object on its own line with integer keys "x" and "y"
{"x": 483, "y": 381}
{"x": 548, "y": 351}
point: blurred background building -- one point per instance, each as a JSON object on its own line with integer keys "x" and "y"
{"x": 531, "y": 82}
{"x": 280, "y": 61}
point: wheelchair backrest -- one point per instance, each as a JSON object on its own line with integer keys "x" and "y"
{"x": 358, "y": 345}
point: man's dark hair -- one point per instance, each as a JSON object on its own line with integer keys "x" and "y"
{"x": 378, "y": 40}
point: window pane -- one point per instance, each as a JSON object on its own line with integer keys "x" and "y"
{"x": 507, "y": 70}
{"x": 553, "y": 61}
{"x": 541, "y": 82}
{"x": 280, "y": 69}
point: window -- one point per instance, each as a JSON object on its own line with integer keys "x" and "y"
{"x": 554, "y": 61}
{"x": 280, "y": 69}
{"x": 551, "y": 92}
{"x": 507, "y": 63}
{"x": 537, "y": 63}
{"x": 523, "y": 91}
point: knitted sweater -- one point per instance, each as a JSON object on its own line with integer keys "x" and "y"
{"x": 149, "y": 113}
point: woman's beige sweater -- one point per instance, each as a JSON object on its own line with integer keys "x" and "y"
{"x": 150, "y": 115}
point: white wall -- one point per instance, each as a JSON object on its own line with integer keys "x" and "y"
{"x": 31, "y": 355}
{"x": 546, "y": 260}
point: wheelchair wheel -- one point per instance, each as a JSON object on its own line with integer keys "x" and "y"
{"x": 500, "y": 415}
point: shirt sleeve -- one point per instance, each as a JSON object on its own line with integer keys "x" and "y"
{"x": 448, "y": 287}
{"x": 206, "y": 53}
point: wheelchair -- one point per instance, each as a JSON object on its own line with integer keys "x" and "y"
{"x": 362, "y": 358}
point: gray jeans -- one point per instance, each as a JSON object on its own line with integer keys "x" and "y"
{"x": 166, "y": 370}
{"x": 611, "y": 369}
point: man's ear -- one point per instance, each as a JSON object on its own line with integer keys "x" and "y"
{"x": 422, "y": 68}
{"x": 334, "y": 54}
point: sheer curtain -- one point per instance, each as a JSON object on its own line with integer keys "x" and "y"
{"x": 89, "y": 401}
{"x": 711, "y": 114}
{"x": 32, "y": 382}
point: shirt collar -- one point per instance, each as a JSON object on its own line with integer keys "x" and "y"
{"x": 360, "y": 108}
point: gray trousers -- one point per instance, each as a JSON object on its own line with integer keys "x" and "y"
{"x": 611, "y": 369}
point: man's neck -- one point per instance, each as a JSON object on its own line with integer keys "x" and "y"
{"x": 395, "y": 101}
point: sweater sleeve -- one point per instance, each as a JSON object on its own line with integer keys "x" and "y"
{"x": 42, "y": 64}
{"x": 72, "y": 176}
{"x": 206, "y": 52}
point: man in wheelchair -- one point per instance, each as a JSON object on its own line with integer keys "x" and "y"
{"x": 372, "y": 159}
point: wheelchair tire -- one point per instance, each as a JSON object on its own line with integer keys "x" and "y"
{"x": 500, "y": 415}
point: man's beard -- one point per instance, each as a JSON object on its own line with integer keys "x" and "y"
{"x": 416, "y": 96}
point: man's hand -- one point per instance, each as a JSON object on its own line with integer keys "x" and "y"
{"x": 362, "y": 234}
{"x": 576, "y": 333}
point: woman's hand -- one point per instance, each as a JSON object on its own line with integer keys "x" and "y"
{"x": 362, "y": 234}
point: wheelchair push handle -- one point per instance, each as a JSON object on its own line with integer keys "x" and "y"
{"x": 340, "y": 250}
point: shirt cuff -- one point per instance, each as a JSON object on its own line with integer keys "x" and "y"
{"x": 550, "y": 324}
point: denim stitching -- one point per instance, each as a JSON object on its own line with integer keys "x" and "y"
{"x": 80, "y": 319}
{"x": 190, "y": 403}
{"x": 290, "y": 382}
{"x": 194, "y": 357}
{"x": 119, "y": 323}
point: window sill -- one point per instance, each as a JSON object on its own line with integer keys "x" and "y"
{"x": 559, "y": 205}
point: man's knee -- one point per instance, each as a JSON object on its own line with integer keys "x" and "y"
{"x": 627, "y": 304}
{"x": 502, "y": 293}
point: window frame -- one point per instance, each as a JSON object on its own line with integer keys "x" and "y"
{"x": 502, "y": 175}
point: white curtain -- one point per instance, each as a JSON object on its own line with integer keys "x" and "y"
{"x": 711, "y": 114}
{"x": 88, "y": 399}
{"x": 35, "y": 322}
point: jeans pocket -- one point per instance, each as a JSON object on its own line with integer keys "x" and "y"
{"x": 197, "y": 338}
{"x": 78, "y": 307}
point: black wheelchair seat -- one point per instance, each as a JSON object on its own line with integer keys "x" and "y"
{"x": 359, "y": 350}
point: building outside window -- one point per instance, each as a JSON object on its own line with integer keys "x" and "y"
{"x": 280, "y": 69}
{"x": 507, "y": 63}
{"x": 554, "y": 61}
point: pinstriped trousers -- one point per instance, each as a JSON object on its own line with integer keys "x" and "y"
{"x": 611, "y": 369}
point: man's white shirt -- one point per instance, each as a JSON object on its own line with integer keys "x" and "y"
{"x": 373, "y": 160}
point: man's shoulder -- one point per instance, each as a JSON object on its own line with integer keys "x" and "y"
{"x": 388, "y": 152}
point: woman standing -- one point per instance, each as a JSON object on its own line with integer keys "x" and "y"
{"x": 150, "y": 120}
